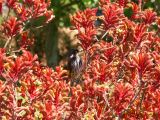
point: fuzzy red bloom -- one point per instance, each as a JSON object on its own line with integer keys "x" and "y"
{"x": 112, "y": 14}
{"x": 49, "y": 16}
{"x": 84, "y": 19}
{"x": 26, "y": 41}
{"x": 21, "y": 65}
{"x": 149, "y": 16}
{"x": 158, "y": 21}
{"x": 140, "y": 33}
{"x": 28, "y": 2}
{"x": 122, "y": 95}
{"x": 48, "y": 105}
{"x": 135, "y": 9}
{"x": 120, "y": 77}
{"x": 1, "y": 2}
{"x": 103, "y": 2}
{"x": 84, "y": 23}
{"x": 22, "y": 12}
{"x": 12, "y": 27}
{"x": 86, "y": 37}
{"x": 2, "y": 55}
{"x": 109, "y": 51}
{"x": 142, "y": 62}
{"x": 39, "y": 8}
{"x": 11, "y": 3}
{"x": 122, "y": 2}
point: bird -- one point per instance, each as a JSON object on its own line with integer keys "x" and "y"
{"x": 74, "y": 65}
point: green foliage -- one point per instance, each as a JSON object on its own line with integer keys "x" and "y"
{"x": 128, "y": 12}
{"x": 149, "y": 4}
{"x": 63, "y": 8}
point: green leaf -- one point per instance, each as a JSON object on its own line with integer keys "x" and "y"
{"x": 128, "y": 12}
{"x": 158, "y": 1}
{"x": 149, "y": 5}
{"x": 18, "y": 84}
{"x": 109, "y": 39}
{"x": 155, "y": 26}
{"x": 20, "y": 1}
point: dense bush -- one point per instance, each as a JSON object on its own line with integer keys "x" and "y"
{"x": 120, "y": 78}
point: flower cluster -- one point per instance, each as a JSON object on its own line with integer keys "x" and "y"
{"x": 24, "y": 17}
{"x": 122, "y": 74}
{"x": 26, "y": 84}
{"x": 120, "y": 77}
{"x": 84, "y": 23}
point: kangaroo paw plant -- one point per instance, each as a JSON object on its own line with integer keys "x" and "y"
{"x": 120, "y": 77}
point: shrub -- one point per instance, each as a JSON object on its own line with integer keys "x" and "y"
{"x": 121, "y": 65}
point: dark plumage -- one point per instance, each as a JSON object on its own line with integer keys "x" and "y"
{"x": 74, "y": 64}
{"x": 74, "y": 61}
